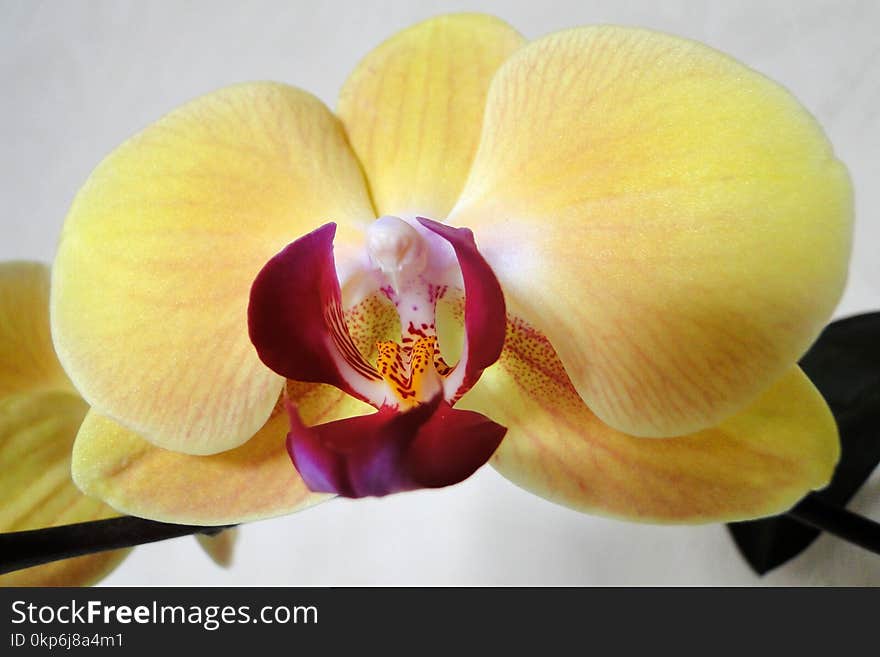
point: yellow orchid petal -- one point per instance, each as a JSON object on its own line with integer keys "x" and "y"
{"x": 36, "y": 436}
{"x": 675, "y": 223}
{"x": 219, "y": 547}
{"x": 758, "y": 462}
{"x": 151, "y": 283}
{"x": 27, "y": 358}
{"x": 413, "y": 108}
{"x": 79, "y": 571}
{"x": 254, "y": 481}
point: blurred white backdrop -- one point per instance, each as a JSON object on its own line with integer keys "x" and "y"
{"x": 79, "y": 77}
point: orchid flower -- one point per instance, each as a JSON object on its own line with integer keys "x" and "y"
{"x": 40, "y": 413}
{"x": 592, "y": 260}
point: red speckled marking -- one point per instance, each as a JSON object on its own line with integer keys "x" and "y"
{"x": 532, "y": 362}
{"x": 371, "y": 321}
{"x": 344, "y": 342}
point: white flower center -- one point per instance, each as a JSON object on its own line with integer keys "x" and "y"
{"x": 412, "y": 261}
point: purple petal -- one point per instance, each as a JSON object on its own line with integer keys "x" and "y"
{"x": 429, "y": 446}
{"x": 296, "y": 322}
{"x": 485, "y": 315}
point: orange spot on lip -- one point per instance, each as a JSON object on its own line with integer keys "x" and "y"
{"x": 409, "y": 369}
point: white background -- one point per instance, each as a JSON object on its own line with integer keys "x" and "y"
{"x": 77, "y": 78}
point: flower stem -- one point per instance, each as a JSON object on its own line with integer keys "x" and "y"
{"x": 38, "y": 546}
{"x": 851, "y": 527}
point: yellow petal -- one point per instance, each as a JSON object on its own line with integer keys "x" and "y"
{"x": 251, "y": 482}
{"x": 150, "y": 286}
{"x": 80, "y": 571}
{"x": 220, "y": 547}
{"x": 675, "y": 223}
{"x": 36, "y": 436}
{"x": 413, "y": 107}
{"x": 756, "y": 463}
{"x": 27, "y": 358}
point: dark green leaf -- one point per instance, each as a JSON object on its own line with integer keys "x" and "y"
{"x": 844, "y": 364}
